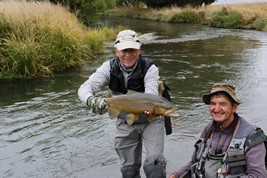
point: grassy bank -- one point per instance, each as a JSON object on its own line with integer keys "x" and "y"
{"x": 243, "y": 16}
{"x": 39, "y": 39}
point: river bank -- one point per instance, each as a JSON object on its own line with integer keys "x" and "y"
{"x": 41, "y": 39}
{"x": 235, "y": 16}
{"x": 46, "y": 132}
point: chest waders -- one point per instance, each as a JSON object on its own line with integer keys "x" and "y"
{"x": 129, "y": 140}
{"x": 235, "y": 158}
{"x": 229, "y": 164}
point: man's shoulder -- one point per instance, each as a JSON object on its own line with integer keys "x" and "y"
{"x": 146, "y": 60}
{"x": 106, "y": 64}
{"x": 206, "y": 131}
{"x": 256, "y": 137}
{"x": 246, "y": 126}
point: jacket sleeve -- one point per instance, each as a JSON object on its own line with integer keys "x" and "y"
{"x": 193, "y": 160}
{"x": 185, "y": 168}
{"x": 95, "y": 82}
{"x": 255, "y": 159}
{"x": 151, "y": 80}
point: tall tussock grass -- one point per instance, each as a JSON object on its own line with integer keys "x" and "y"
{"x": 226, "y": 19}
{"x": 186, "y": 16}
{"x": 243, "y": 16}
{"x": 39, "y": 39}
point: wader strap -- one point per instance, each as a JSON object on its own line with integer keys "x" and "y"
{"x": 164, "y": 91}
{"x": 199, "y": 171}
{"x": 255, "y": 138}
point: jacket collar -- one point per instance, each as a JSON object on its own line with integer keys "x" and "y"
{"x": 216, "y": 128}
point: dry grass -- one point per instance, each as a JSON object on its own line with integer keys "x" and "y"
{"x": 164, "y": 14}
{"x": 30, "y": 9}
{"x": 247, "y": 10}
{"x": 39, "y": 39}
{"x": 43, "y": 12}
{"x": 254, "y": 15}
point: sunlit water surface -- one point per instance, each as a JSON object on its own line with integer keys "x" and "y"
{"x": 46, "y": 132}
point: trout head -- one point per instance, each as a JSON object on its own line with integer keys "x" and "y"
{"x": 170, "y": 111}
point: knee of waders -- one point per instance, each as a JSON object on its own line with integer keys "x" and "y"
{"x": 155, "y": 166}
{"x": 130, "y": 172}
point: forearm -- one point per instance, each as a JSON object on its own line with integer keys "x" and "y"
{"x": 255, "y": 160}
{"x": 183, "y": 170}
{"x": 151, "y": 80}
{"x": 94, "y": 83}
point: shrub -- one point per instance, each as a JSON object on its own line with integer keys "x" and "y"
{"x": 186, "y": 16}
{"x": 261, "y": 24}
{"x": 38, "y": 40}
{"x": 226, "y": 19}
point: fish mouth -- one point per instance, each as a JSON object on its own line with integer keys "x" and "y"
{"x": 172, "y": 113}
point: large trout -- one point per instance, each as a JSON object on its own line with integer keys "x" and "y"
{"x": 134, "y": 104}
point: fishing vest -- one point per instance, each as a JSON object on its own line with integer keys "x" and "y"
{"x": 136, "y": 79}
{"x": 232, "y": 163}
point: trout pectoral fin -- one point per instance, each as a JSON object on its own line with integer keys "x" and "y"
{"x": 113, "y": 113}
{"x": 130, "y": 92}
{"x": 130, "y": 118}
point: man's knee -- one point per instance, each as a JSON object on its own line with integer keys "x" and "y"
{"x": 130, "y": 172}
{"x": 155, "y": 166}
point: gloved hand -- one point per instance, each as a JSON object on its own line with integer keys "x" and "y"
{"x": 97, "y": 104}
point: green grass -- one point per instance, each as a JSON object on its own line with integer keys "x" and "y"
{"x": 186, "y": 16}
{"x": 225, "y": 18}
{"x": 38, "y": 40}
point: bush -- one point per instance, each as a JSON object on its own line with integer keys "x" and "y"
{"x": 38, "y": 40}
{"x": 226, "y": 19}
{"x": 186, "y": 16}
{"x": 261, "y": 24}
{"x": 86, "y": 10}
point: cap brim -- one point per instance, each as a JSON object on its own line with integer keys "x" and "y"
{"x": 128, "y": 44}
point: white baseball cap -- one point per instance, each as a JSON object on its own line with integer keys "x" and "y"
{"x": 127, "y": 39}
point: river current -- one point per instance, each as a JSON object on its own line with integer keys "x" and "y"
{"x": 46, "y": 132}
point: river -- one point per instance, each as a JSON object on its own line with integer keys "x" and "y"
{"x": 46, "y": 132}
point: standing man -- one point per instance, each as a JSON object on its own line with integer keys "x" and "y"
{"x": 229, "y": 146}
{"x": 129, "y": 71}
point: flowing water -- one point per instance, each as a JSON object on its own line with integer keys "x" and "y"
{"x": 46, "y": 132}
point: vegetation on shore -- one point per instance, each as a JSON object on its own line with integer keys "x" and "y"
{"x": 39, "y": 39}
{"x": 243, "y": 16}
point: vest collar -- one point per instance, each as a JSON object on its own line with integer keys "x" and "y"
{"x": 130, "y": 70}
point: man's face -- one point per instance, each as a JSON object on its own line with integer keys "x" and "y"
{"x": 222, "y": 110}
{"x": 128, "y": 56}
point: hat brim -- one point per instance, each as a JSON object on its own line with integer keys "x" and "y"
{"x": 128, "y": 44}
{"x": 206, "y": 97}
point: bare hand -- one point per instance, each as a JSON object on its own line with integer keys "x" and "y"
{"x": 147, "y": 112}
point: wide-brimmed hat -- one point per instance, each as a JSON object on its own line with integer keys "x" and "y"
{"x": 127, "y": 39}
{"x": 221, "y": 87}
